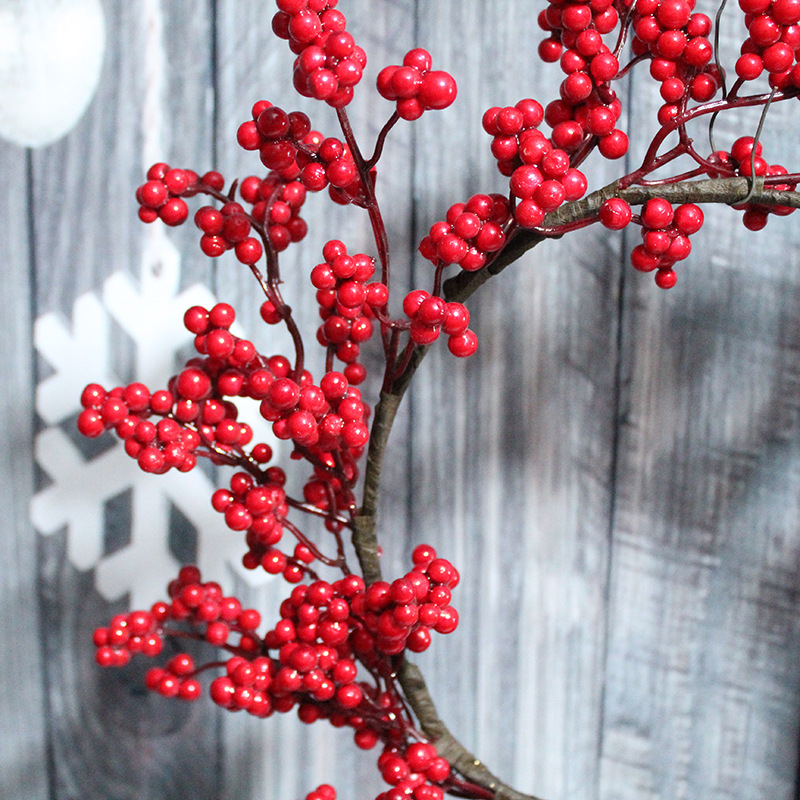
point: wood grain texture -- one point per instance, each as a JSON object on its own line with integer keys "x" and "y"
{"x": 702, "y": 689}
{"x": 109, "y": 738}
{"x": 24, "y": 746}
{"x": 614, "y": 473}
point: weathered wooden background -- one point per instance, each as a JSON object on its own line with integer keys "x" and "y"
{"x": 616, "y": 472}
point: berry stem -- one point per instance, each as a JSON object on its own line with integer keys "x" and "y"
{"x": 381, "y": 140}
{"x": 371, "y": 204}
{"x": 650, "y": 160}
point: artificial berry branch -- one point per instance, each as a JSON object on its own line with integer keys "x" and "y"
{"x": 339, "y": 648}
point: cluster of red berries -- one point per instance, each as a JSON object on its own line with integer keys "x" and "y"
{"x": 126, "y": 634}
{"x": 468, "y": 233}
{"x": 314, "y": 662}
{"x": 201, "y": 605}
{"x": 193, "y": 409}
{"x": 257, "y": 509}
{"x": 226, "y": 228}
{"x": 746, "y": 158}
{"x": 677, "y": 41}
{"x": 510, "y": 128}
{"x": 431, "y": 316}
{"x": 276, "y": 207}
{"x": 540, "y": 175}
{"x": 311, "y": 676}
{"x": 412, "y": 772}
{"x": 401, "y": 615}
{"x": 415, "y": 87}
{"x": 157, "y": 447}
{"x": 161, "y": 196}
{"x": 321, "y": 418}
{"x": 665, "y": 238}
{"x": 773, "y": 42}
{"x": 329, "y": 63}
{"x": 292, "y": 151}
{"x": 175, "y": 679}
{"x": 587, "y": 106}
{"x": 204, "y": 605}
{"x": 245, "y": 687}
{"x": 346, "y": 302}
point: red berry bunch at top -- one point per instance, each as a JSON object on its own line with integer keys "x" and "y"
{"x": 346, "y": 302}
{"x": 469, "y": 232}
{"x": 773, "y": 42}
{"x": 431, "y": 316}
{"x": 665, "y": 238}
{"x": 540, "y": 176}
{"x": 161, "y": 197}
{"x": 415, "y": 86}
{"x": 275, "y": 134}
{"x": 587, "y": 105}
{"x": 329, "y": 63}
{"x": 676, "y": 39}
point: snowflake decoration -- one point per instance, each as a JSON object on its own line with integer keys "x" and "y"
{"x": 82, "y": 486}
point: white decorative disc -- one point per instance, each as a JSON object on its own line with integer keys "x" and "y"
{"x": 51, "y": 53}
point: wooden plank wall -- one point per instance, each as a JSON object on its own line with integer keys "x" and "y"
{"x": 615, "y": 472}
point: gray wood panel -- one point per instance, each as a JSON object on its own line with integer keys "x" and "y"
{"x": 614, "y": 473}
{"x": 24, "y": 748}
{"x": 109, "y": 736}
{"x": 702, "y": 689}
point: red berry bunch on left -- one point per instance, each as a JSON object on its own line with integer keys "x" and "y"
{"x": 127, "y": 634}
{"x": 175, "y": 679}
{"x": 415, "y": 87}
{"x": 210, "y": 616}
{"x": 329, "y": 63}
{"x": 157, "y": 447}
{"x": 161, "y": 197}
